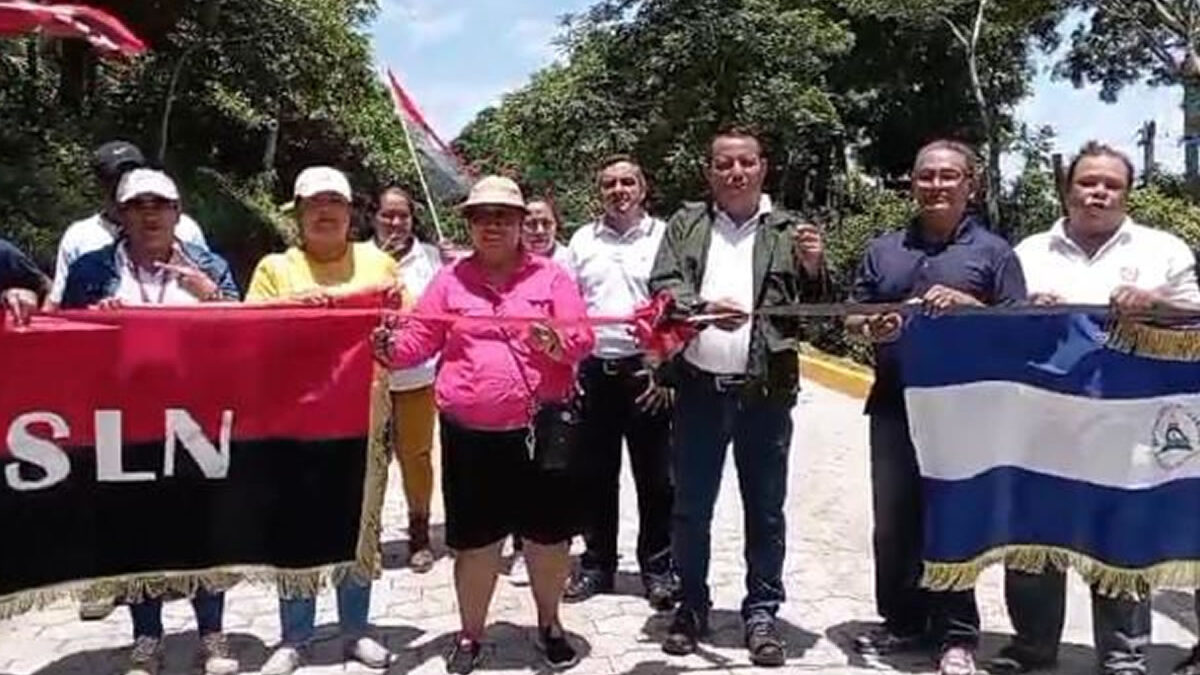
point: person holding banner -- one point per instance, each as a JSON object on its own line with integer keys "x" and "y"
{"x": 1096, "y": 255}
{"x": 413, "y": 408}
{"x": 539, "y": 233}
{"x": 149, "y": 266}
{"x": 324, "y": 266}
{"x": 502, "y": 382}
{"x": 21, "y": 283}
{"x": 944, "y": 258}
{"x": 737, "y": 380}
{"x": 110, "y": 162}
{"x": 612, "y": 258}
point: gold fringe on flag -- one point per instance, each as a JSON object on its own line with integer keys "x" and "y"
{"x": 1111, "y": 581}
{"x": 1154, "y": 342}
{"x": 291, "y": 583}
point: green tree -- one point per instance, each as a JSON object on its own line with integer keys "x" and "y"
{"x": 1124, "y": 41}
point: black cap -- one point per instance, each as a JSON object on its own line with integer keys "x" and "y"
{"x": 116, "y": 157}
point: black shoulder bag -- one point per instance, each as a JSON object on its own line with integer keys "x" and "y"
{"x": 556, "y": 427}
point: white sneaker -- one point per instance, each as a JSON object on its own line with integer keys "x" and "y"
{"x": 518, "y": 575}
{"x": 218, "y": 659}
{"x": 369, "y": 653}
{"x": 284, "y": 661}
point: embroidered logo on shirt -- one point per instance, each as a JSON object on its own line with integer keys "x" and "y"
{"x": 1129, "y": 275}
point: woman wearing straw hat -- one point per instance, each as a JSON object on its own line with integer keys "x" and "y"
{"x": 325, "y": 265}
{"x": 493, "y": 375}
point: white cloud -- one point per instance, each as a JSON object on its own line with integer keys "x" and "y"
{"x": 424, "y": 22}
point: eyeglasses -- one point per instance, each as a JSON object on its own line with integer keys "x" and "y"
{"x": 537, "y": 224}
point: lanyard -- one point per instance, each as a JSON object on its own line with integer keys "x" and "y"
{"x": 137, "y": 277}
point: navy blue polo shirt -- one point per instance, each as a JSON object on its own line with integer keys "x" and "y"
{"x": 17, "y": 270}
{"x": 902, "y": 265}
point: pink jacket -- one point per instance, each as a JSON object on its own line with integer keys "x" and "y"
{"x": 478, "y": 384}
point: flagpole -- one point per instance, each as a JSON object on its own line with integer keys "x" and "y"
{"x": 412, "y": 151}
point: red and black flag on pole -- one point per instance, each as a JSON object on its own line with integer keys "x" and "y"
{"x": 158, "y": 450}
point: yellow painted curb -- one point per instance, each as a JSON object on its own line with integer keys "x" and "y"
{"x": 825, "y": 371}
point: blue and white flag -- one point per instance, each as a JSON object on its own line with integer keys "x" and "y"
{"x": 1046, "y": 440}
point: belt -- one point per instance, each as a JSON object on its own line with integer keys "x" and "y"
{"x": 616, "y": 367}
{"x": 722, "y": 384}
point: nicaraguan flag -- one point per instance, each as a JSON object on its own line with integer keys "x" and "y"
{"x": 1046, "y": 440}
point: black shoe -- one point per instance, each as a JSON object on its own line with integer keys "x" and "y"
{"x": 556, "y": 650}
{"x": 767, "y": 649}
{"x": 465, "y": 657}
{"x": 1013, "y": 660}
{"x": 1190, "y": 665}
{"x": 584, "y": 585}
{"x": 880, "y": 641}
{"x": 685, "y": 632}
{"x": 662, "y": 590}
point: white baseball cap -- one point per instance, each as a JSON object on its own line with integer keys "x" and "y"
{"x": 316, "y": 180}
{"x": 140, "y": 182}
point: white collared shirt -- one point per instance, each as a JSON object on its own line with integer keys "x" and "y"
{"x": 613, "y": 271}
{"x": 96, "y": 232}
{"x": 1136, "y": 255}
{"x": 417, "y": 269}
{"x": 139, "y": 286}
{"x": 729, "y": 275}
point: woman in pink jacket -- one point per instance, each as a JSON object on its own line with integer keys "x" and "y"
{"x": 491, "y": 378}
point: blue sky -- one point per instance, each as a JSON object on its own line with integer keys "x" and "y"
{"x": 456, "y": 57}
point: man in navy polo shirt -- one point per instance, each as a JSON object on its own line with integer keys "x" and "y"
{"x": 944, "y": 258}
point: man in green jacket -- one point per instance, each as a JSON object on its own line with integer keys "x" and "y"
{"x": 737, "y": 380}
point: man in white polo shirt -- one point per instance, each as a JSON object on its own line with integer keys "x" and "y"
{"x": 611, "y": 258}
{"x": 110, "y": 163}
{"x": 1096, "y": 255}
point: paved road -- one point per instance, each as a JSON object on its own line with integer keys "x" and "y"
{"x": 828, "y": 581}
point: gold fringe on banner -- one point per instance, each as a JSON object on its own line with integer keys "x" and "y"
{"x": 291, "y": 583}
{"x": 1154, "y": 342}
{"x": 1111, "y": 581}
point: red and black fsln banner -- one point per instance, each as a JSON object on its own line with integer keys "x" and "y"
{"x": 158, "y": 450}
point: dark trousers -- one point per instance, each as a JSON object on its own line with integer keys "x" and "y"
{"x": 147, "y": 615}
{"x": 949, "y": 618}
{"x": 611, "y": 415}
{"x": 1037, "y": 605}
{"x": 706, "y": 420}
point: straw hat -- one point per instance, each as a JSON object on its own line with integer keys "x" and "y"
{"x": 495, "y": 191}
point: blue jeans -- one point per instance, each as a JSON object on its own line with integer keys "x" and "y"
{"x": 147, "y": 615}
{"x": 761, "y": 431}
{"x": 298, "y": 616}
{"x": 1037, "y": 604}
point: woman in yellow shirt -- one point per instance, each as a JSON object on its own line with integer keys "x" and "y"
{"x": 326, "y": 265}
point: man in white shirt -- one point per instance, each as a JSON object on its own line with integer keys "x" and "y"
{"x": 611, "y": 259}
{"x": 1096, "y": 255}
{"x": 737, "y": 381}
{"x": 111, "y": 161}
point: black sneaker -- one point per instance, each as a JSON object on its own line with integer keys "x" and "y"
{"x": 662, "y": 590}
{"x": 556, "y": 650}
{"x": 1012, "y": 660}
{"x": 685, "y": 632}
{"x": 584, "y": 585}
{"x": 880, "y": 641}
{"x": 465, "y": 657}
{"x": 1190, "y": 665}
{"x": 767, "y": 649}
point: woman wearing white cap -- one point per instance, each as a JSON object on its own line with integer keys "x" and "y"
{"x": 326, "y": 264}
{"x": 490, "y": 380}
{"x": 148, "y": 265}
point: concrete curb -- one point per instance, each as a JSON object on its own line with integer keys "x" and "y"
{"x": 827, "y": 372}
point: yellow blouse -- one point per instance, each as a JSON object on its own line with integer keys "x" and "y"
{"x": 283, "y": 275}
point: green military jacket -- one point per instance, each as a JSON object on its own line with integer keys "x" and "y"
{"x": 773, "y": 367}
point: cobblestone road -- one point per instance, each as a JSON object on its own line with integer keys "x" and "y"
{"x": 828, "y": 582}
